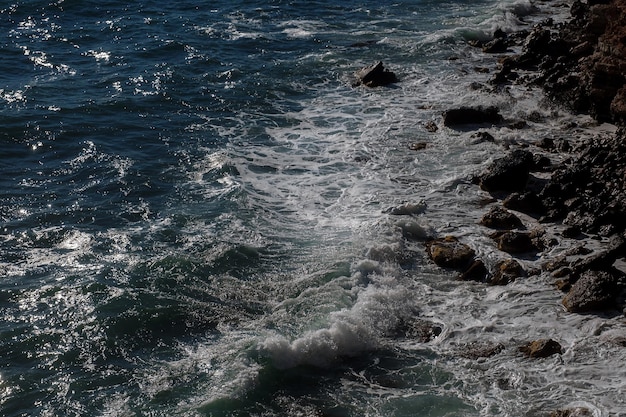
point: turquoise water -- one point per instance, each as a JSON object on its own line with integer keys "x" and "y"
{"x": 194, "y": 216}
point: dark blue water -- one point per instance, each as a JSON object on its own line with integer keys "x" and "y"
{"x": 193, "y": 214}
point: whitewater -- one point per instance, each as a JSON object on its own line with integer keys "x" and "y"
{"x": 201, "y": 216}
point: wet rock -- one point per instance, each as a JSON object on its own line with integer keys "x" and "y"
{"x": 593, "y": 291}
{"x": 509, "y": 173}
{"x": 418, "y": 146}
{"x": 418, "y": 329}
{"x": 431, "y": 126}
{"x": 527, "y": 202}
{"x": 477, "y": 271}
{"x": 516, "y": 242}
{"x": 482, "y": 136}
{"x": 572, "y": 412}
{"x": 496, "y": 46}
{"x": 375, "y": 75}
{"x": 478, "y": 350}
{"x": 500, "y": 218}
{"x": 448, "y": 252}
{"x": 603, "y": 259}
{"x": 471, "y": 116}
{"x": 408, "y": 209}
{"x": 506, "y": 272}
{"x": 541, "y": 348}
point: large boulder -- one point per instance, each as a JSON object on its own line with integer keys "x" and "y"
{"x": 509, "y": 173}
{"x": 375, "y": 75}
{"x": 593, "y": 291}
{"x": 471, "y": 116}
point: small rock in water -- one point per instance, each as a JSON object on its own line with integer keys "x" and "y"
{"x": 500, "y": 218}
{"x": 450, "y": 253}
{"x": 572, "y": 412}
{"x": 541, "y": 348}
{"x": 477, "y": 271}
{"x": 515, "y": 242}
{"x": 418, "y": 146}
{"x": 477, "y": 350}
{"x": 471, "y": 115}
{"x": 506, "y": 272}
{"x": 375, "y": 75}
{"x": 408, "y": 209}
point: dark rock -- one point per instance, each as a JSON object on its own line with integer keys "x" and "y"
{"x": 421, "y": 330}
{"x": 477, "y": 271}
{"x": 496, "y": 46}
{"x": 541, "y": 163}
{"x": 604, "y": 259}
{"x": 593, "y": 291}
{"x": 431, "y": 126}
{"x": 478, "y": 350}
{"x": 506, "y": 272}
{"x": 375, "y": 75}
{"x": 471, "y": 116}
{"x": 500, "y": 218}
{"x": 509, "y": 173}
{"x": 520, "y": 124}
{"x": 527, "y": 202}
{"x": 418, "y": 146}
{"x": 572, "y": 412}
{"x": 448, "y": 252}
{"x": 542, "y": 348}
{"x": 482, "y": 136}
{"x": 516, "y": 242}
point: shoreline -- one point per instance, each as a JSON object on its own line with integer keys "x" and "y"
{"x": 585, "y": 193}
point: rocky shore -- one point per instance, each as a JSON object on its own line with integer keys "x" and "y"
{"x": 581, "y": 64}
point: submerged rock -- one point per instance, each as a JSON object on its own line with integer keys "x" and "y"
{"x": 477, "y": 350}
{"x": 541, "y": 348}
{"x": 418, "y": 329}
{"x": 375, "y": 75}
{"x": 448, "y": 252}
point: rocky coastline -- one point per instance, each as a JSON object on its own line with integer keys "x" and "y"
{"x": 581, "y": 65}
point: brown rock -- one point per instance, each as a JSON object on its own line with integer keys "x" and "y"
{"x": 541, "y": 348}
{"x": 418, "y": 146}
{"x": 516, "y": 242}
{"x": 572, "y": 412}
{"x": 500, "y": 218}
{"x": 450, "y": 253}
{"x": 594, "y": 291}
{"x": 506, "y": 272}
{"x": 477, "y": 271}
{"x": 481, "y": 350}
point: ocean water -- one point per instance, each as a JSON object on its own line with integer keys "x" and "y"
{"x": 195, "y": 215}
